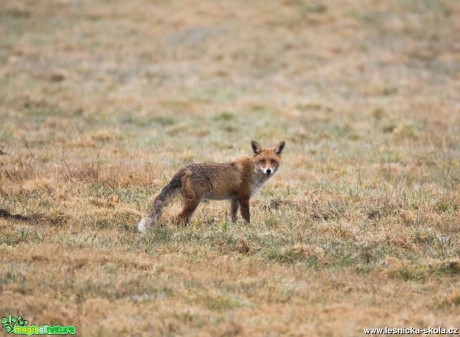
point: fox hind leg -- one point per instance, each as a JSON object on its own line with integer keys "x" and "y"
{"x": 191, "y": 201}
{"x": 185, "y": 215}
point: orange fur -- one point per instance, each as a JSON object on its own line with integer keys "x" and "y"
{"x": 236, "y": 181}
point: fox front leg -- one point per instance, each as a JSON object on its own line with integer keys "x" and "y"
{"x": 244, "y": 206}
{"x": 234, "y": 209}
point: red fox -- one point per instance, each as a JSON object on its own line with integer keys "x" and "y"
{"x": 236, "y": 181}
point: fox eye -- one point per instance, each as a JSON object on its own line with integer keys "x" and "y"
{"x": 262, "y": 162}
{"x": 274, "y": 162}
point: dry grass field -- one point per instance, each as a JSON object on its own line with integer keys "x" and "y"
{"x": 101, "y": 102}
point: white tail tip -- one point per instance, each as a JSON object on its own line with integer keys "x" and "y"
{"x": 144, "y": 224}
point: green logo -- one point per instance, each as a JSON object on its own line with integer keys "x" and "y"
{"x": 19, "y": 326}
{"x": 9, "y": 323}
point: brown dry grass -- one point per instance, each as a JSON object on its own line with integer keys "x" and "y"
{"x": 101, "y": 102}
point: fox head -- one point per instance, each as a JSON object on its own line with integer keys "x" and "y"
{"x": 267, "y": 160}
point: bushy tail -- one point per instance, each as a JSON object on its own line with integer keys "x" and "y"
{"x": 167, "y": 193}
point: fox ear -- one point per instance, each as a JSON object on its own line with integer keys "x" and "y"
{"x": 280, "y": 147}
{"x": 256, "y": 148}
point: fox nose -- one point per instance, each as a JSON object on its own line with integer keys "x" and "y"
{"x": 269, "y": 171}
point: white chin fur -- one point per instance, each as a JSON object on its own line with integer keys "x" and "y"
{"x": 144, "y": 224}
